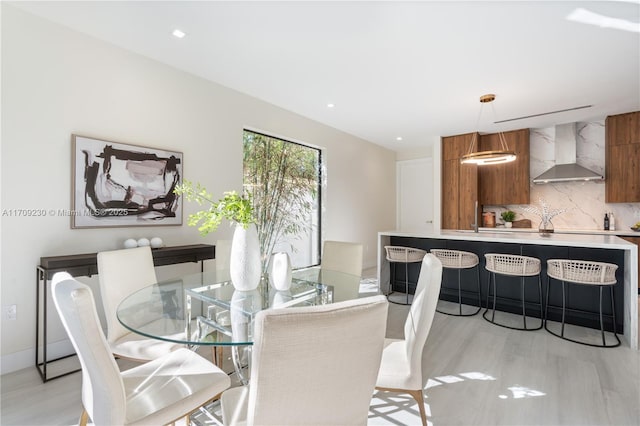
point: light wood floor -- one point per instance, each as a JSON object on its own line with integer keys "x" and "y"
{"x": 476, "y": 373}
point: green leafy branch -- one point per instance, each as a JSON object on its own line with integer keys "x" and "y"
{"x": 231, "y": 206}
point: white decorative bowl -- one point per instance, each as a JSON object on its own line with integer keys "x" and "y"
{"x": 130, "y": 243}
{"x": 156, "y": 242}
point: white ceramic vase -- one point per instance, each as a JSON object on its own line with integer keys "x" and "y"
{"x": 245, "y": 267}
{"x": 508, "y": 224}
{"x": 279, "y": 298}
{"x": 280, "y": 276}
{"x": 242, "y": 304}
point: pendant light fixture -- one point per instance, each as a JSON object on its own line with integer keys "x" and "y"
{"x": 483, "y": 158}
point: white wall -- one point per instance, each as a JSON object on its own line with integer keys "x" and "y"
{"x": 56, "y": 82}
{"x": 416, "y": 153}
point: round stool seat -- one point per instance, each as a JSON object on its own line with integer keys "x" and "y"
{"x": 515, "y": 266}
{"x": 587, "y": 273}
{"x": 512, "y": 264}
{"x": 582, "y": 271}
{"x": 456, "y": 259}
{"x": 406, "y": 255}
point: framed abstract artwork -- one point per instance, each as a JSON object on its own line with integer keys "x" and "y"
{"x": 117, "y": 184}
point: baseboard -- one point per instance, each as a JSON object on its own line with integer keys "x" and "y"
{"x": 27, "y": 358}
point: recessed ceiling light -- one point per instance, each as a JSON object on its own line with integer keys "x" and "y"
{"x": 178, "y": 33}
{"x": 330, "y": 105}
{"x": 399, "y": 138}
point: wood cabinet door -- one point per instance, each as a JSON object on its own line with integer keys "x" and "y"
{"x": 622, "y": 158}
{"x": 454, "y": 147}
{"x": 459, "y": 183}
{"x": 468, "y": 198}
{"x": 450, "y": 201}
{"x": 623, "y": 129}
{"x": 507, "y": 183}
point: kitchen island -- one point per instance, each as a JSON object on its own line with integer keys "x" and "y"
{"x": 602, "y": 248}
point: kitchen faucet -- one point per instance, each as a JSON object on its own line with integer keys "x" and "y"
{"x": 474, "y": 225}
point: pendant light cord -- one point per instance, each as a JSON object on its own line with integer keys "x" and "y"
{"x": 475, "y": 134}
{"x": 503, "y": 142}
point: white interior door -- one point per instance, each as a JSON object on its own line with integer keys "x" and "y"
{"x": 415, "y": 195}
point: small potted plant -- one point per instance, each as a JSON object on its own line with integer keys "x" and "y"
{"x": 508, "y": 216}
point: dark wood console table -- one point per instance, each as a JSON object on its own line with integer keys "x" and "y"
{"x": 87, "y": 265}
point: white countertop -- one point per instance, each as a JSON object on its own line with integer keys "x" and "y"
{"x": 607, "y": 241}
{"x": 626, "y": 233}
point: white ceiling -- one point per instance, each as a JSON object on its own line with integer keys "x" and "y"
{"x": 410, "y": 69}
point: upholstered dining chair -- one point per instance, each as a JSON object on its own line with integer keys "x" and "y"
{"x": 158, "y": 392}
{"x": 311, "y": 365}
{"x": 121, "y": 273}
{"x": 342, "y": 256}
{"x": 401, "y": 365}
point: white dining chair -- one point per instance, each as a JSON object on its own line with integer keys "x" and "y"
{"x": 312, "y": 365}
{"x": 401, "y": 366}
{"x": 342, "y": 256}
{"x": 158, "y": 392}
{"x": 121, "y": 273}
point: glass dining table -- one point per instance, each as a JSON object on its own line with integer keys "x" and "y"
{"x": 205, "y": 309}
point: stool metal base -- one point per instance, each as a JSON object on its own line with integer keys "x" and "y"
{"x": 615, "y": 345}
{"x": 524, "y": 316}
{"x": 460, "y": 314}
{"x": 408, "y": 298}
{"x": 561, "y": 335}
{"x": 400, "y": 298}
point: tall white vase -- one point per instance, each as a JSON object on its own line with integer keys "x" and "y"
{"x": 280, "y": 275}
{"x": 245, "y": 266}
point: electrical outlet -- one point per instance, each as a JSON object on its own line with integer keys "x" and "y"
{"x": 10, "y": 312}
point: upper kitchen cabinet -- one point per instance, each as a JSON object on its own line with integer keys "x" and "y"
{"x": 507, "y": 183}
{"x": 459, "y": 183}
{"x": 622, "y": 158}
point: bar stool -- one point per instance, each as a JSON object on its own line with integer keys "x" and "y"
{"x": 456, "y": 259}
{"x": 515, "y": 266}
{"x": 588, "y": 273}
{"x": 406, "y": 255}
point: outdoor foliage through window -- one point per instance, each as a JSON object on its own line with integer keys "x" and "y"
{"x": 283, "y": 179}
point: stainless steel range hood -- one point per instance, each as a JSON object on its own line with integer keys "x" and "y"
{"x": 566, "y": 169}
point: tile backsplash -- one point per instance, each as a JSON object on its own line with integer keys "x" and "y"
{"x": 583, "y": 201}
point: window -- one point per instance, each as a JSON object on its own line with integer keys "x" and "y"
{"x": 283, "y": 179}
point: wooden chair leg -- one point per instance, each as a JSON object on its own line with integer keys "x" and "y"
{"x": 84, "y": 418}
{"x": 419, "y": 397}
{"x": 416, "y": 394}
{"x": 216, "y": 355}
